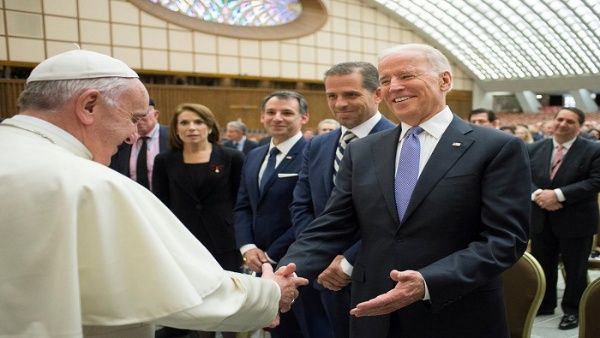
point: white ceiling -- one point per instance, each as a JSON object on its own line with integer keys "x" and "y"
{"x": 512, "y": 45}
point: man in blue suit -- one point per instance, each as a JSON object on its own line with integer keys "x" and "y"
{"x": 441, "y": 207}
{"x": 263, "y": 226}
{"x": 156, "y": 136}
{"x": 353, "y": 97}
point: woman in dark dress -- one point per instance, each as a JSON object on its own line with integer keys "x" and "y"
{"x": 198, "y": 180}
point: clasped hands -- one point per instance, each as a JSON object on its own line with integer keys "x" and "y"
{"x": 285, "y": 277}
{"x": 546, "y": 199}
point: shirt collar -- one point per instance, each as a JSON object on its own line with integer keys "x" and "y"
{"x": 566, "y": 145}
{"x": 153, "y": 135}
{"x": 364, "y": 128}
{"x": 435, "y": 126}
{"x": 285, "y": 146}
{"x": 46, "y": 129}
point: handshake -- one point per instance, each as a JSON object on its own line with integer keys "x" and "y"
{"x": 288, "y": 283}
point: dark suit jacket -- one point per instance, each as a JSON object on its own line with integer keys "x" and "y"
{"x": 206, "y": 212}
{"x": 465, "y": 224}
{"x": 315, "y": 181}
{"x": 578, "y": 177}
{"x": 248, "y": 145}
{"x": 264, "y": 219}
{"x": 120, "y": 160}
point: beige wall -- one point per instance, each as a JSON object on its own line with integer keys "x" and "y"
{"x": 32, "y": 30}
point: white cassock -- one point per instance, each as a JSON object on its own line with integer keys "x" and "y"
{"x": 84, "y": 246}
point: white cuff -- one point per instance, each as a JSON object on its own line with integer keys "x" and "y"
{"x": 534, "y": 194}
{"x": 247, "y": 247}
{"x": 559, "y": 195}
{"x": 269, "y": 259}
{"x": 347, "y": 268}
{"x": 427, "y": 296}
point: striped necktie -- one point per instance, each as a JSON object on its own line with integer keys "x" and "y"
{"x": 556, "y": 160}
{"x": 348, "y": 137}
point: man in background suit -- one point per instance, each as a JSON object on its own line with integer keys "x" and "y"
{"x": 438, "y": 230}
{"x": 236, "y": 135}
{"x": 263, "y": 226}
{"x": 353, "y": 97}
{"x": 566, "y": 181}
{"x": 127, "y": 161}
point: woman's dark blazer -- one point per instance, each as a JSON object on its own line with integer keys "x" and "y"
{"x": 206, "y": 212}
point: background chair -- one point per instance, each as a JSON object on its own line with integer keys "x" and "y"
{"x": 524, "y": 287}
{"x": 589, "y": 307}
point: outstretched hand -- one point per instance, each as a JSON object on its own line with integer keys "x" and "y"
{"x": 288, "y": 282}
{"x": 410, "y": 287}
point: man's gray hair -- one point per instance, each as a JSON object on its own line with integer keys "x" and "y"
{"x": 328, "y": 121}
{"x": 51, "y": 96}
{"x": 438, "y": 61}
{"x": 239, "y": 125}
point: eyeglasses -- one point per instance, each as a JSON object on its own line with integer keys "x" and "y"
{"x": 133, "y": 117}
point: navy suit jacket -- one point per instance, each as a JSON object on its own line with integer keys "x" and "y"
{"x": 120, "y": 160}
{"x": 248, "y": 145}
{"x": 578, "y": 177}
{"x": 264, "y": 219}
{"x": 466, "y": 222}
{"x": 315, "y": 181}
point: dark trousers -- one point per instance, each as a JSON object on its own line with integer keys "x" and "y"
{"x": 337, "y": 307}
{"x": 574, "y": 252}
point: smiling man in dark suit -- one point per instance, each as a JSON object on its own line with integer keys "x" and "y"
{"x": 441, "y": 207}
{"x": 263, "y": 226}
{"x": 127, "y": 159}
{"x": 566, "y": 182}
{"x": 353, "y": 97}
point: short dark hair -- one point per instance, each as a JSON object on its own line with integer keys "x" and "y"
{"x": 490, "y": 113}
{"x": 204, "y": 113}
{"x": 368, "y": 71}
{"x": 287, "y": 95}
{"x": 579, "y": 112}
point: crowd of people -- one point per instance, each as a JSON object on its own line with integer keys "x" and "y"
{"x": 360, "y": 228}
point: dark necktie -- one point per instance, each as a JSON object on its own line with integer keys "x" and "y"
{"x": 339, "y": 153}
{"x": 557, "y": 160}
{"x": 269, "y": 169}
{"x": 141, "y": 168}
{"x": 408, "y": 169}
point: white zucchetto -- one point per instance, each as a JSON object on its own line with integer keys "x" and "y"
{"x": 80, "y": 64}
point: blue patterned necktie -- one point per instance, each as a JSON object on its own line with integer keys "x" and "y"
{"x": 408, "y": 170}
{"x": 269, "y": 169}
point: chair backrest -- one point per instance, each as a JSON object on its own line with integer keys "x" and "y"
{"x": 589, "y": 307}
{"x": 524, "y": 287}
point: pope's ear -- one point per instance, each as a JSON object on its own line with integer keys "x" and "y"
{"x": 86, "y": 105}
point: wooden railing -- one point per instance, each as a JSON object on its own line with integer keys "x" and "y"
{"x": 227, "y": 103}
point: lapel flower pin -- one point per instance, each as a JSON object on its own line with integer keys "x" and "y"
{"x": 216, "y": 168}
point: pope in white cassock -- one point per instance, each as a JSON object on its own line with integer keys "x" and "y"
{"x": 84, "y": 250}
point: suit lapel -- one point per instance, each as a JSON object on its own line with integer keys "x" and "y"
{"x": 254, "y": 170}
{"x": 383, "y": 150}
{"x": 451, "y": 146}
{"x": 286, "y": 162}
{"x": 328, "y": 148}
{"x": 570, "y": 161}
{"x": 544, "y": 160}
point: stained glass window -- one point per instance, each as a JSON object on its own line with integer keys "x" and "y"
{"x": 237, "y": 12}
